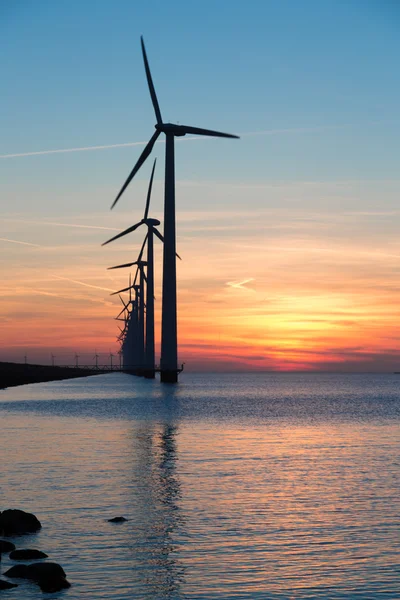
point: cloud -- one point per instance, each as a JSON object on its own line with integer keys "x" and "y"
{"x": 241, "y": 284}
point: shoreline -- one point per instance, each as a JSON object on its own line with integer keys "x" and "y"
{"x": 15, "y": 374}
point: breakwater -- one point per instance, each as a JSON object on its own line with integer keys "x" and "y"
{"x": 12, "y": 374}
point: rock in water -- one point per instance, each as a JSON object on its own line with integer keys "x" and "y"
{"x": 6, "y": 546}
{"x": 117, "y": 520}
{"x": 50, "y": 577}
{"x": 53, "y": 584}
{"x": 27, "y": 554}
{"x": 18, "y": 571}
{"x": 45, "y": 570}
{"x": 15, "y": 521}
{"x": 37, "y": 571}
{"x": 7, "y": 585}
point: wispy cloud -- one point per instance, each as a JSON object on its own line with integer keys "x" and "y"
{"x": 19, "y": 242}
{"x": 241, "y": 284}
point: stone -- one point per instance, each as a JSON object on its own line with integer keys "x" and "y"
{"x": 37, "y": 571}
{"x": 44, "y": 570}
{"x": 53, "y": 584}
{"x": 28, "y": 554}
{"x": 7, "y": 585}
{"x": 6, "y": 546}
{"x": 117, "y": 520}
{"x": 17, "y": 572}
{"x": 15, "y": 521}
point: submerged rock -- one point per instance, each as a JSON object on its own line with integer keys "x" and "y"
{"x": 7, "y": 585}
{"x": 36, "y": 571}
{"x": 117, "y": 520}
{"x": 18, "y": 571}
{"x": 53, "y": 584}
{"x": 28, "y": 554}
{"x": 40, "y": 573}
{"x": 44, "y": 570}
{"x": 6, "y": 546}
{"x": 14, "y": 521}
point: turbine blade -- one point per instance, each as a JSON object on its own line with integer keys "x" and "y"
{"x": 210, "y": 132}
{"x": 125, "y": 305}
{"x": 161, "y": 237}
{"x": 120, "y": 291}
{"x": 125, "y": 232}
{"x": 122, "y": 266}
{"x": 139, "y": 258}
{"x": 146, "y": 210}
{"x": 136, "y": 274}
{"x": 150, "y": 84}
{"x": 146, "y": 152}
{"x": 117, "y": 318}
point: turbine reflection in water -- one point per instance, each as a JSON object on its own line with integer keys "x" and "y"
{"x": 156, "y": 494}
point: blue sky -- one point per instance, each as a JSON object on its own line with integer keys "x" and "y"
{"x": 73, "y": 76}
{"x": 311, "y": 86}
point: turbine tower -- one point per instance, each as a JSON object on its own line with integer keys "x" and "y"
{"x": 169, "y": 349}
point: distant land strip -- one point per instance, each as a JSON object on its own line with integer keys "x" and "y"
{"x": 13, "y": 374}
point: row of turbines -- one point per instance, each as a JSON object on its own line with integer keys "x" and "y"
{"x": 137, "y": 336}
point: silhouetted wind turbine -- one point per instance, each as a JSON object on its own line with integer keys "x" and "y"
{"x": 169, "y": 350}
{"x": 134, "y": 338}
{"x": 151, "y": 231}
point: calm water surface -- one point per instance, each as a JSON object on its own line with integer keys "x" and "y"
{"x": 267, "y": 486}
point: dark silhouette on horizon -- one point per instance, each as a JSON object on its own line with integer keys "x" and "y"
{"x": 169, "y": 343}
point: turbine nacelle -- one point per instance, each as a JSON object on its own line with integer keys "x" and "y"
{"x": 151, "y": 222}
{"x": 171, "y": 129}
{"x": 181, "y": 130}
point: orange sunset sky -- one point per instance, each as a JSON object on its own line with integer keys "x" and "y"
{"x": 289, "y": 236}
{"x": 286, "y": 288}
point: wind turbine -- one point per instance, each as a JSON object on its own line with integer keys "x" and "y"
{"x": 151, "y": 232}
{"x": 134, "y": 337}
{"x": 169, "y": 350}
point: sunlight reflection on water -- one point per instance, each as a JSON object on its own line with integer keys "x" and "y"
{"x": 267, "y": 486}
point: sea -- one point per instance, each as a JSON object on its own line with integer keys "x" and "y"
{"x": 243, "y": 486}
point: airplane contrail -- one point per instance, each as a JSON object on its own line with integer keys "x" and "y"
{"x": 18, "y": 242}
{"x": 80, "y": 149}
{"x": 96, "y": 287}
{"x": 59, "y": 224}
{"x": 191, "y": 138}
